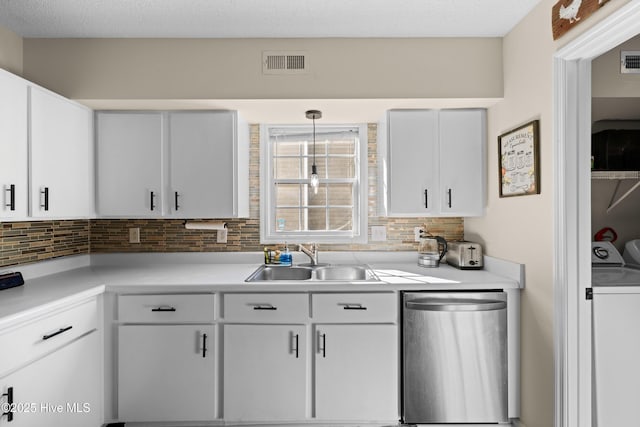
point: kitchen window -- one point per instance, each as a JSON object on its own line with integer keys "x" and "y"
{"x": 291, "y": 210}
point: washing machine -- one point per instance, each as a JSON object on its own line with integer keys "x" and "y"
{"x": 616, "y": 338}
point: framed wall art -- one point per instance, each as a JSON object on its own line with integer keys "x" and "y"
{"x": 519, "y": 160}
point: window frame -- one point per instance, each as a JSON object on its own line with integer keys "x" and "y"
{"x": 267, "y": 192}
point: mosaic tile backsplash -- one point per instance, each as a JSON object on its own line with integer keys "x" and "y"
{"x": 24, "y": 242}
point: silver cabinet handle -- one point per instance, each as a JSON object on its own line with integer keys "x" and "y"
{"x": 176, "y": 195}
{"x": 450, "y": 304}
{"x": 426, "y": 198}
{"x": 449, "y": 195}
{"x": 152, "y": 204}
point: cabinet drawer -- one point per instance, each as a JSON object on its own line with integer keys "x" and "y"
{"x": 266, "y": 307}
{"x": 377, "y": 307}
{"x": 31, "y": 340}
{"x": 166, "y": 308}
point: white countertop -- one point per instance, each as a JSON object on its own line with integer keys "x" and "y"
{"x": 77, "y": 278}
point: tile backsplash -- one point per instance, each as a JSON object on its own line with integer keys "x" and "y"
{"x": 24, "y": 242}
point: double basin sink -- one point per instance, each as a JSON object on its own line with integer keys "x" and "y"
{"x": 320, "y": 273}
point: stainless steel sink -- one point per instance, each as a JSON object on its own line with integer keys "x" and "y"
{"x": 265, "y": 273}
{"x": 342, "y": 272}
{"x": 325, "y": 273}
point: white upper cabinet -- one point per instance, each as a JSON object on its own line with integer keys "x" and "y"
{"x": 433, "y": 163}
{"x": 413, "y": 155}
{"x": 462, "y": 160}
{"x": 178, "y": 164}
{"x": 129, "y": 164}
{"x": 61, "y": 153}
{"x": 13, "y": 147}
{"x": 204, "y": 150}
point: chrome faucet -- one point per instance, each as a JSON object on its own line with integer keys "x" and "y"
{"x": 311, "y": 252}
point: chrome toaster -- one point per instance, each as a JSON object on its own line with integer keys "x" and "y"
{"x": 465, "y": 255}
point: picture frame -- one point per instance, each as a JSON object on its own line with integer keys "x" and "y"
{"x": 519, "y": 160}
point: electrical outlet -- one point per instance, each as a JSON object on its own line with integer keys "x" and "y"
{"x": 222, "y": 236}
{"x": 416, "y": 234}
{"x": 134, "y": 235}
{"x": 378, "y": 233}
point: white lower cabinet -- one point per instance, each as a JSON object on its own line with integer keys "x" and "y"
{"x": 356, "y": 372}
{"x": 61, "y": 389}
{"x": 265, "y": 372}
{"x": 166, "y": 373}
{"x": 337, "y": 362}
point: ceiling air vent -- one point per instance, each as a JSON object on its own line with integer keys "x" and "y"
{"x": 630, "y": 62}
{"x": 284, "y": 62}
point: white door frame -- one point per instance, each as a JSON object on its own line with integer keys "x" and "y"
{"x": 572, "y": 211}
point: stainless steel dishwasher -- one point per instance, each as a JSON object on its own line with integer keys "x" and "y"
{"x": 454, "y": 357}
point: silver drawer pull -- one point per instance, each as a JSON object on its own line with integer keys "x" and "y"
{"x": 265, "y": 307}
{"x": 353, "y": 307}
{"x": 164, "y": 308}
{"x": 60, "y": 331}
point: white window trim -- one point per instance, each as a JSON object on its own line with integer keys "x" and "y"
{"x": 572, "y": 225}
{"x": 359, "y": 234}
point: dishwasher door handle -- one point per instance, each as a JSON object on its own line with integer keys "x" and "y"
{"x": 446, "y": 304}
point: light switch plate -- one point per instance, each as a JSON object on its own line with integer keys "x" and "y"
{"x": 378, "y": 233}
{"x": 222, "y": 236}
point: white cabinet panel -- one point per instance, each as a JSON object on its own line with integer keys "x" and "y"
{"x": 165, "y": 374}
{"x": 436, "y": 163}
{"x": 413, "y": 162}
{"x": 462, "y": 162}
{"x": 13, "y": 147}
{"x": 265, "y": 372}
{"x": 62, "y": 389}
{"x": 129, "y": 164}
{"x": 201, "y": 152}
{"x": 61, "y": 163}
{"x": 356, "y": 372}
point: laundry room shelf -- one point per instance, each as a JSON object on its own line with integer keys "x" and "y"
{"x": 618, "y": 175}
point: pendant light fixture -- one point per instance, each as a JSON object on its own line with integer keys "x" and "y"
{"x": 314, "y": 179}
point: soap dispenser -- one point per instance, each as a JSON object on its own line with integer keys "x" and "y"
{"x": 285, "y": 257}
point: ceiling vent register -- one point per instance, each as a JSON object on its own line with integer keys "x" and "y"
{"x": 630, "y": 62}
{"x": 278, "y": 62}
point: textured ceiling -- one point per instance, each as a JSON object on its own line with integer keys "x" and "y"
{"x": 262, "y": 18}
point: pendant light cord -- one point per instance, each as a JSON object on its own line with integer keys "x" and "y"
{"x": 314, "y": 141}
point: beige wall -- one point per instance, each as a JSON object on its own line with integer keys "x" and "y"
{"x": 521, "y": 228}
{"x": 10, "y": 51}
{"x": 231, "y": 68}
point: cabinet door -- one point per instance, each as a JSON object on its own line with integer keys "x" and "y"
{"x": 265, "y": 373}
{"x": 462, "y": 159}
{"x": 356, "y": 372}
{"x": 13, "y": 147}
{"x": 61, "y": 164}
{"x": 164, "y": 373}
{"x": 413, "y": 162}
{"x": 202, "y": 172}
{"x": 63, "y": 389}
{"x": 129, "y": 164}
